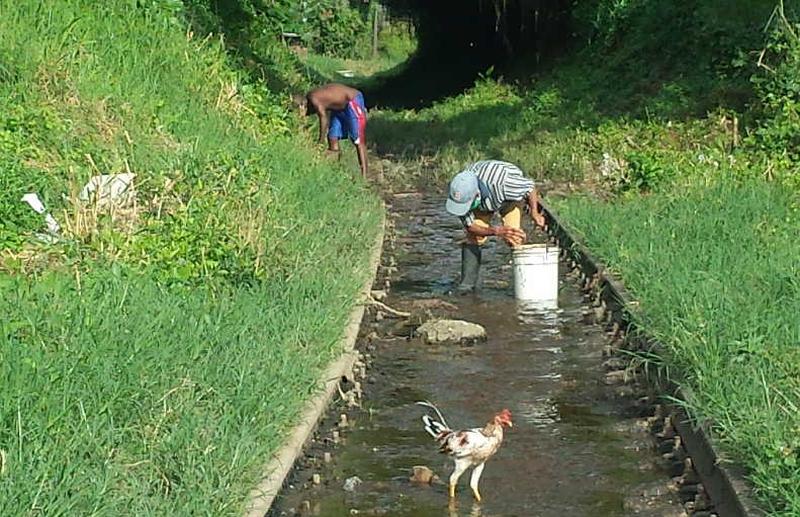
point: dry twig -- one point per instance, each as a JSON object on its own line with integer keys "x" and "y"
{"x": 386, "y": 308}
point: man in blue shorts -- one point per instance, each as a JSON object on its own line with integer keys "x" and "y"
{"x": 347, "y": 118}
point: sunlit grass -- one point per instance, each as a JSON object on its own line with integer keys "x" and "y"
{"x": 153, "y": 368}
{"x": 715, "y": 270}
{"x": 552, "y": 131}
{"x": 396, "y": 44}
{"x": 124, "y": 397}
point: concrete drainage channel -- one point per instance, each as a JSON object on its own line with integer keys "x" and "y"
{"x": 706, "y": 485}
{"x": 277, "y": 469}
{"x": 590, "y": 438}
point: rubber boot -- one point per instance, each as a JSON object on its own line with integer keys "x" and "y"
{"x": 470, "y": 267}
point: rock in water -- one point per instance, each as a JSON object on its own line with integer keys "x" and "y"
{"x": 451, "y": 331}
{"x": 422, "y": 474}
{"x": 351, "y": 483}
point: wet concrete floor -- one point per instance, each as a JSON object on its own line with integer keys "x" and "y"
{"x": 578, "y": 447}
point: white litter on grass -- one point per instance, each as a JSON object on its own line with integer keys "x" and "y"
{"x": 612, "y": 166}
{"x": 108, "y": 189}
{"x": 32, "y": 198}
{"x": 346, "y": 73}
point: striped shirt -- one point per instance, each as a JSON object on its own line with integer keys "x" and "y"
{"x": 500, "y": 183}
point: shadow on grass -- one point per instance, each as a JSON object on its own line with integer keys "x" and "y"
{"x": 565, "y": 102}
{"x": 416, "y": 136}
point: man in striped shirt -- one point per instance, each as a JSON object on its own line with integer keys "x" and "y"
{"x": 476, "y": 194}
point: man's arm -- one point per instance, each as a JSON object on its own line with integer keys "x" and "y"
{"x": 316, "y": 106}
{"x": 511, "y": 235}
{"x": 323, "y": 124}
{"x": 535, "y": 208}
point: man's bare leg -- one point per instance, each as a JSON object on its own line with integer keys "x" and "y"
{"x": 361, "y": 149}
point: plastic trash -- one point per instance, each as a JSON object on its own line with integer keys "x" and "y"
{"x": 107, "y": 189}
{"x": 33, "y": 200}
{"x": 36, "y": 204}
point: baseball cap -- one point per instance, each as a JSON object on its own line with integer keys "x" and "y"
{"x": 463, "y": 189}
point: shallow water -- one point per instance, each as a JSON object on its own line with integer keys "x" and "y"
{"x": 575, "y": 448}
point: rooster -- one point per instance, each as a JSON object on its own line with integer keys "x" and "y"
{"x": 469, "y": 447}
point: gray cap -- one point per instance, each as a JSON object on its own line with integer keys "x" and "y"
{"x": 463, "y": 189}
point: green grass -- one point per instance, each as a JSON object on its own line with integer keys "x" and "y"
{"x": 560, "y": 131}
{"x": 715, "y": 270}
{"x": 152, "y": 360}
{"x": 126, "y": 397}
{"x": 396, "y": 44}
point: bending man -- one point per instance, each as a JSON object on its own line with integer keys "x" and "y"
{"x": 347, "y": 118}
{"x": 476, "y": 194}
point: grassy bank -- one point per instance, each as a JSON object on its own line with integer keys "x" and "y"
{"x": 668, "y": 140}
{"x": 631, "y": 108}
{"x": 715, "y": 271}
{"x": 123, "y": 396}
{"x": 153, "y": 357}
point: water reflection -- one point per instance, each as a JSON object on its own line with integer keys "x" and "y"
{"x": 541, "y": 313}
{"x": 541, "y": 411}
{"x": 475, "y": 511}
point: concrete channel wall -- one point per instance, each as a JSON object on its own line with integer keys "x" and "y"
{"x": 730, "y": 494}
{"x": 277, "y": 469}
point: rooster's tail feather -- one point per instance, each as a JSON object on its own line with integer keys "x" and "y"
{"x": 432, "y": 427}
{"x": 436, "y": 409}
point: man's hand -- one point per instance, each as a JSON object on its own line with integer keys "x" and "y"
{"x": 538, "y": 219}
{"x": 513, "y": 236}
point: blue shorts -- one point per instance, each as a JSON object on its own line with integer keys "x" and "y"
{"x": 350, "y": 122}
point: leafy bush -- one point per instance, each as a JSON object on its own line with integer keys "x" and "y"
{"x": 339, "y": 30}
{"x": 335, "y": 27}
{"x": 396, "y": 42}
{"x": 645, "y": 172}
{"x": 778, "y": 86}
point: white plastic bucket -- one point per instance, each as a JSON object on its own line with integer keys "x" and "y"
{"x": 536, "y": 272}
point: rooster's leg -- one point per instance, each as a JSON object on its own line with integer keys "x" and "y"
{"x": 461, "y": 466}
{"x": 473, "y": 481}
